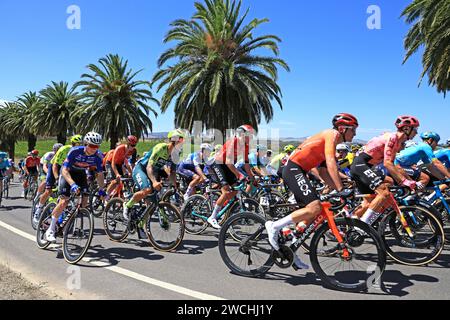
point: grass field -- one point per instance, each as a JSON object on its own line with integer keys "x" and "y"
{"x": 46, "y": 145}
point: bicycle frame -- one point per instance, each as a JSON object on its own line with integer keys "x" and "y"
{"x": 438, "y": 195}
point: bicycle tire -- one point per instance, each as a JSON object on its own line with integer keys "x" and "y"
{"x": 159, "y": 240}
{"x": 336, "y": 282}
{"x": 43, "y": 224}
{"x": 68, "y": 229}
{"x": 389, "y": 220}
{"x": 227, "y": 242}
{"x": 193, "y": 224}
{"x": 112, "y": 219}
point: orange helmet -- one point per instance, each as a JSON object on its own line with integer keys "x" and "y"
{"x": 345, "y": 119}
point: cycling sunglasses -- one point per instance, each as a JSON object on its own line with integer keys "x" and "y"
{"x": 93, "y": 146}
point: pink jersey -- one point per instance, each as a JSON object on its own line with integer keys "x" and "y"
{"x": 382, "y": 148}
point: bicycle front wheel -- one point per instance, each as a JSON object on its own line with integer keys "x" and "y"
{"x": 165, "y": 227}
{"x": 116, "y": 226}
{"x": 426, "y": 243}
{"x": 43, "y": 225}
{"x": 353, "y": 265}
{"x": 78, "y": 234}
{"x": 244, "y": 246}
{"x": 193, "y": 209}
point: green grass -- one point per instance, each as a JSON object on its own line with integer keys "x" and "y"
{"x": 46, "y": 145}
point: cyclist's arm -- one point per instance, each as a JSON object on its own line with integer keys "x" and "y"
{"x": 438, "y": 170}
{"x": 196, "y": 161}
{"x": 101, "y": 179}
{"x": 129, "y": 168}
{"x": 114, "y": 167}
{"x": 330, "y": 157}
{"x": 55, "y": 170}
{"x": 249, "y": 171}
{"x": 66, "y": 175}
{"x": 389, "y": 158}
{"x": 150, "y": 174}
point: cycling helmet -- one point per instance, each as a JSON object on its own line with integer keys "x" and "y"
{"x": 260, "y": 147}
{"x": 93, "y": 138}
{"x": 77, "y": 139}
{"x": 289, "y": 148}
{"x": 206, "y": 146}
{"x": 57, "y": 146}
{"x": 35, "y": 152}
{"x": 407, "y": 121}
{"x": 132, "y": 140}
{"x": 430, "y": 135}
{"x": 345, "y": 119}
{"x": 175, "y": 135}
{"x": 343, "y": 147}
{"x": 246, "y": 128}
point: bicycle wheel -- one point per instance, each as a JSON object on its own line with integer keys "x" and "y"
{"x": 43, "y": 225}
{"x": 165, "y": 227}
{"x": 175, "y": 198}
{"x": 251, "y": 255}
{"x": 96, "y": 204}
{"x": 365, "y": 262}
{"x": 428, "y": 238}
{"x": 77, "y": 235}
{"x": 116, "y": 227}
{"x": 197, "y": 205}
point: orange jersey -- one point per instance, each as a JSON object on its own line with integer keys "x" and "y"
{"x": 311, "y": 153}
{"x": 31, "y": 162}
{"x": 120, "y": 154}
{"x": 108, "y": 157}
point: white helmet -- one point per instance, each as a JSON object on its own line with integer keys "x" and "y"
{"x": 206, "y": 146}
{"x": 93, "y": 138}
{"x": 343, "y": 147}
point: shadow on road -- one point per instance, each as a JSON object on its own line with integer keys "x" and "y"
{"x": 196, "y": 246}
{"x": 11, "y": 208}
{"x": 112, "y": 256}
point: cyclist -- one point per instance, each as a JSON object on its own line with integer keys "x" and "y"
{"x": 5, "y": 165}
{"x": 422, "y": 153}
{"x": 31, "y": 168}
{"x": 382, "y": 150}
{"x": 317, "y": 151}
{"x": 149, "y": 170}
{"x": 276, "y": 165}
{"x": 44, "y": 189}
{"x": 443, "y": 155}
{"x": 45, "y": 166}
{"x": 192, "y": 168}
{"x": 119, "y": 159}
{"x": 74, "y": 178}
{"x": 225, "y": 171}
{"x": 217, "y": 149}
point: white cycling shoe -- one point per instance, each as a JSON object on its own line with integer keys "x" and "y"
{"x": 299, "y": 264}
{"x": 50, "y": 236}
{"x": 272, "y": 235}
{"x": 213, "y": 223}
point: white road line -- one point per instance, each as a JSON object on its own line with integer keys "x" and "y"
{"x": 127, "y": 273}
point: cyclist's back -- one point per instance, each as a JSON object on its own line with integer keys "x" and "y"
{"x": 443, "y": 156}
{"x": 421, "y": 152}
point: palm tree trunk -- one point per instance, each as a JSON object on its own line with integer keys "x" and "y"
{"x": 114, "y": 140}
{"x": 11, "y": 143}
{"x": 31, "y": 142}
{"x": 62, "y": 137}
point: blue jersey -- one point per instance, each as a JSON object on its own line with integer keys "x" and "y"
{"x": 78, "y": 160}
{"x": 4, "y": 163}
{"x": 422, "y": 152}
{"x": 443, "y": 156}
{"x": 194, "y": 159}
{"x": 254, "y": 161}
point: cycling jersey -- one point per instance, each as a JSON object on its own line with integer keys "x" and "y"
{"x": 61, "y": 155}
{"x": 158, "y": 157}
{"x": 108, "y": 157}
{"x": 5, "y": 163}
{"x": 311, "y": 153}
{"x": 443, "y": 156}
{"x": 235, "y": 149}
{"x": 31, "y": 162}
{"x": 384, "y": 147}
{"x": 346, "y": 162}
{"x": 254, "y": 161}
{"x": 412, "y": 155}
{"x": 78, "y": 160}
{"x": 47, "y": 158}
{"x": 120, "y": 154}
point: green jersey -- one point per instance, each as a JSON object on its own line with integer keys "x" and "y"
{"x": 61, "y": 155}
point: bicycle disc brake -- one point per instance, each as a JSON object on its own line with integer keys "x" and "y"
{"x": 283, "y": 258}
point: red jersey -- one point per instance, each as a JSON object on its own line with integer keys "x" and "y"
{"x": 120, "y": 154}
{"x": 232, "y": 150}
{"x": 31, "y": 162}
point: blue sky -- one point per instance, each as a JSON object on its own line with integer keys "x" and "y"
{"x": 337, "y": 63}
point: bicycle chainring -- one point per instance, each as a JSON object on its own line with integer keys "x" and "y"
{"x": 283, "y": 258}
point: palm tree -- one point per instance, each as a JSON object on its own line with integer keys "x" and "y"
{"x": 53, "y": 116}
{"x": 218, "y": 77}
{"x": 115, "y": 104}
{"x": 12, "y": 129}
{"x": 21, "y": 121}
{"x": 431, "y": 30}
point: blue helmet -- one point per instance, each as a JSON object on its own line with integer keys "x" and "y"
{"x": 430, "y": 135}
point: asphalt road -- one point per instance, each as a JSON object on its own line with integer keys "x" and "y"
{"x": 134, "y": 270}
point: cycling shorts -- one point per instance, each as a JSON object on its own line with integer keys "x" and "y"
{"x": 79, "y": 177}
{"x": 223, "y": 174}
{"x": 298, "y": 182}
{"x": 367, "y": 178}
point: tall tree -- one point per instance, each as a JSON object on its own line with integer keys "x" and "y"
{"x": 53, "y": 116}
{"x": 430, "y": 29}
{"x": 219, "y": 77}
{"x": 22, "y": 120}
{"x": 114, "y": 104}
{"x": 11, "y": 116}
